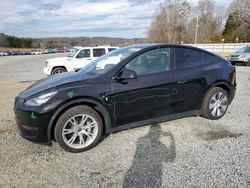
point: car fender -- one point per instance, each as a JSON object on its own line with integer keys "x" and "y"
{"x": 220, "y": 83}
{"x": 99, "y": 107}
{"x": 60, "y": 62}
{"x": 75, "y": 63}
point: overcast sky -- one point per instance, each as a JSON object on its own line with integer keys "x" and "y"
{"x": 50, "y": 18}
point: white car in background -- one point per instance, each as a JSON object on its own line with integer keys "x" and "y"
{"x": 77, "y": 59}
{"x": 36, "y": 53}
{"x": 241, "y": 56}
{"x": 3, "y": 54}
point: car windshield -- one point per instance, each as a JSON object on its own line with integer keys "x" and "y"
{"x": 72, "y": 52}
{"x": 108, "y": 61}
{"x": 245, "y": 49}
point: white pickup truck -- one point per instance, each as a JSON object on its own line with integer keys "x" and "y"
{"x": 77, "y": 59}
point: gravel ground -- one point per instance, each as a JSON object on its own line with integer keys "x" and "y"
{"x": 189, "y": 152}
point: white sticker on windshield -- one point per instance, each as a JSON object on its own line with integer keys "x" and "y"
{"x": 134, "y": 49}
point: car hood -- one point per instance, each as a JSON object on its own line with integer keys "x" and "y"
{"x": 52, "y": 82}
{"x": 240, "y": 53}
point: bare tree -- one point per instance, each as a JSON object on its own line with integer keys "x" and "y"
{"x": 176, "y": 20}
{"x": 3, "y": 40}
{"x": 170, "y": 22}
{"x": 209, "y": 21}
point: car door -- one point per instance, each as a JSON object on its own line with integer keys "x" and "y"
{"x": 148, "y": 96}
{"x": 81, "y": 59}
{"x": 190, "y": 78}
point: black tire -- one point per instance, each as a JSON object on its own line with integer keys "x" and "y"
{"x": 58, "y": 70}
{"x": 248, "y": 63}
{"x": 207, "y": 111}
{"x": 66, "y": 116}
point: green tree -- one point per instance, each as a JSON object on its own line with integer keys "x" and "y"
{"x": 230, "y": 34}
{"x": 238, "y": 22}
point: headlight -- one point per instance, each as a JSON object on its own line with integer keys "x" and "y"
{"x": 46, "y": 63}
{"x": 242, "y": 56}
{"x": 37, "y": 101}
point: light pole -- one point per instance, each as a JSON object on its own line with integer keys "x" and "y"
{"x": 222, "y": 40}
{"x": 196, "y": 32}
{"x": 237, "y": 41}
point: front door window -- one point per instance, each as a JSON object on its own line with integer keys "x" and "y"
{"x": 154, "y": 61}
{"x": 84, "y": 54}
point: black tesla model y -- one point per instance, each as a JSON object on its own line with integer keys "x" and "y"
{"x": 126, "y": 88}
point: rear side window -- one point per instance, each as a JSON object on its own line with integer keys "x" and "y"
{"x": 111, "y": 49}
{"x": 188, "y": 58}
{"x": 98, "y": 52}
{"x": 208, "y": 58}
{"x": 247, "y": 49}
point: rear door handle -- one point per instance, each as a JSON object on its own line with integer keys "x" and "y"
{"x": 89, "y": 59}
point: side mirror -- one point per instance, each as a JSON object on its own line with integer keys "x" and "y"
{"x": 78, "y": 56}
{"x": 126, "y": 74}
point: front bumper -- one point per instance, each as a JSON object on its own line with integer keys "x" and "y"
{"x": 31, "y": 124}
{"x": 47, "y": 70}
{"x": 238, "y": 60}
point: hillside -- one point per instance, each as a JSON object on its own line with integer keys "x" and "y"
{"x": 55, "y": 42}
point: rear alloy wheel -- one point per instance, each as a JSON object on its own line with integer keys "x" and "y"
{"x": 58, "y": 70}
{"x": 215, "y": 103}
{"x": 78, "y": 129}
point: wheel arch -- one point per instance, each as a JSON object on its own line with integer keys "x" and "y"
{"x": 225, "y": 86}
{"x": 222, "y": 84}
{"x": 59, "y": 66}
{"x": 99, "y": 108}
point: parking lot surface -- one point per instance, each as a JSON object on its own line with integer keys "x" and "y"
{"x": 189, "y": 152}
{"x": 24, "y": 68}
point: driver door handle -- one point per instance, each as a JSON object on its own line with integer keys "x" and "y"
{"x": 181, "y": 82}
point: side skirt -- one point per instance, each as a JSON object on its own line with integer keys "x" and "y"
{"x": 155, "y": 120}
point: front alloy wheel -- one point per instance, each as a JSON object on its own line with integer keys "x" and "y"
{"x": 58, "y": 70}
{"x": 78, "y": 129}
